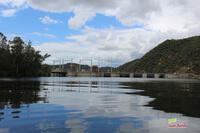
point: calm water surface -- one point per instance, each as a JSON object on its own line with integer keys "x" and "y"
{"x": 98, "y": 105}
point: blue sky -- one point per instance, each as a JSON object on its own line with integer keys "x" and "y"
{"x": 27, "y": 22}
{"x": 121, "y": 30}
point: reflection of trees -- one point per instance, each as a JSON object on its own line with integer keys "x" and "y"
{"x": 14, "y": 94}
{"x": 172, "y": 97}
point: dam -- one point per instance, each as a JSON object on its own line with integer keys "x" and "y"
{"x": 78, "y": 70}
{"x": 122, "y": 74}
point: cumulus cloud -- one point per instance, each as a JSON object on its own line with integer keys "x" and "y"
{"x": 120, "y": 45}
{"x": 48, "y": 20}
{"x": 66, "y": 50}
{"x": 8, "y": 12}
{"x": 161, "y": 20}
{"x": 44, "y": 34}
{"x": 129, "y": 12}
{"x": 80, "y": 18}
{"x": 12, "y": 3}
{"x": 158, "y": 15}
{"x": 12, "y": 6}
{"x": 179, "y": 15}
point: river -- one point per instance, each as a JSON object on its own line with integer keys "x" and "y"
{"x": 99, "y": 105}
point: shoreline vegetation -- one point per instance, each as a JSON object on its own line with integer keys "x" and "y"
{"x": 20, "y": 59}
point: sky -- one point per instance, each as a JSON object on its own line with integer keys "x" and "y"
{"x": 114, "y": 30}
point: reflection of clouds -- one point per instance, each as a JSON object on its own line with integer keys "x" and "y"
{"x": 4, "y": 130}
{"x": 129, "y": 128}
{"x": 100, "y": 104}
{"x": 46, "y": 126}
{"x": 88, "y": 109}
{"x": 125, "y": 128}
{"x": 112, "y": 102}
{"x": 161, "y": 124}
{"x": 106, "y": 102}
{"x": 133, "y": 125}
{"x": 76, "y": 125}
{"x": 114, "y": 106}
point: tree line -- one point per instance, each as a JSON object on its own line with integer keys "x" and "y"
{"x": 20, "y": 59}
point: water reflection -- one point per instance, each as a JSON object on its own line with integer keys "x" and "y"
{"x": 76, "y": 125}
{"x": 90, "y": 106}
{"x": 171, "y": 96}
{"x": 17, "y": 94}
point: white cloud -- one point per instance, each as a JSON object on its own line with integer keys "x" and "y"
{"x": 48, "y": 20}
{"x": 80, "y": 18}
{"x": 63, "y": 50}
{"x": 11, "y": 7}
{"x": 129, "y": 12}
{"x": 161, "y": 20}
{"x": 44, "y": 34}
{"x": 8, "y": 12}
{"x": 121, "y": 45}
{"x": 158, "y": 15}
{"x": 13, "y": 3}
{"x": 179, "y": 15}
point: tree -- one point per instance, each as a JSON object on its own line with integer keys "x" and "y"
{"x": 17, "y": 51}
{"x": 19, "y": 59}
{"x": 4, "y": 55}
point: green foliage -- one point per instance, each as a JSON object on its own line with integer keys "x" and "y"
{"x": 18, "y": 59}
{"x": 180, "y": 56}
{"x": 45, "y": 70}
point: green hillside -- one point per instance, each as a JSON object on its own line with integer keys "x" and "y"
{"x": 180, "y": 56}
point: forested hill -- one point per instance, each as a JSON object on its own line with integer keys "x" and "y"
{"x": 180, "y": 56}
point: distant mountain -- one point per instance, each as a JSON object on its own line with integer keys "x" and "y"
{"x": 180, "y": 56}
